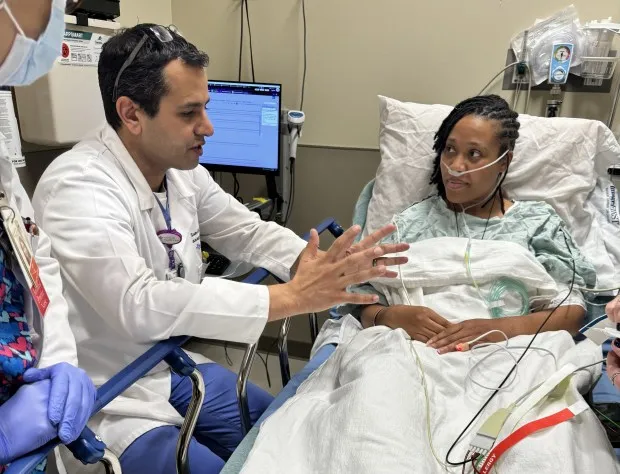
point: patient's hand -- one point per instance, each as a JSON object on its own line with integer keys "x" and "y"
{"x": 465, "y": 331}
{"x": 419, "y": 322}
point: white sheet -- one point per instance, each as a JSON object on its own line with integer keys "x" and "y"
{"x": 436, "y": 276}
{"x": 364, "y": 410}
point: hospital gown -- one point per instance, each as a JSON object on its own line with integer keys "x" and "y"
{"x": 531, "y": 224}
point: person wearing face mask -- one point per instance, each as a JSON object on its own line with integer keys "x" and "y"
{"x": 474, "y": 147}
{"x": 43, "y": 395}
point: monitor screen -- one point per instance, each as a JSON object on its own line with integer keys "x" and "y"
{"x": 246, "y": 120}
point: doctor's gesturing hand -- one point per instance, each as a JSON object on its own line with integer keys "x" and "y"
{"x": 321, "y": 278}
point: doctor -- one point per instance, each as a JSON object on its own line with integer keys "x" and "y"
{"x": 42, "y": 394}
{"x": 127, "y": 211}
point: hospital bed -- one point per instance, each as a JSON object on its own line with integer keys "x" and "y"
{"x": 407, "y": 131}
{"x": 89, "y": 449}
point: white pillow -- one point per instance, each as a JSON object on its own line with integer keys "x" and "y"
{"x": 562, "y": 161}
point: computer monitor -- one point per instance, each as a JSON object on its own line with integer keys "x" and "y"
{"x": 246, "y": 119}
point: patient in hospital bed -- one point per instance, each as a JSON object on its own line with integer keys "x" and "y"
{"x": 399, "y": 388}
{"x": 476, "y": 142}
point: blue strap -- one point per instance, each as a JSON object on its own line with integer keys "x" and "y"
{"x": 168, "y": 218}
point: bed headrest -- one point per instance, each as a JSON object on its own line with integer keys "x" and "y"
{"x": 562, "y": 161}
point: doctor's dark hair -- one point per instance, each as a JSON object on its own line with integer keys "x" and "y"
{"x": 490, "y": 107}
{"x": 143, "y": 81}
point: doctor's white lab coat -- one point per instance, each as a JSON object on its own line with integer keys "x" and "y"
{"x": 96, "y": 205}
{"x": 51, "y": 335}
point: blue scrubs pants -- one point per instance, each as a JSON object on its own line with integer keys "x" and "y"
{"x": 217, "y": 433}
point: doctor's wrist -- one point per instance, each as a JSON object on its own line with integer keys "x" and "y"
{"x": 283, "y": 301}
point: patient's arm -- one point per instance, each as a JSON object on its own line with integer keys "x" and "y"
{"x": 419, "y": 322}
{"x": 567, "y": 318}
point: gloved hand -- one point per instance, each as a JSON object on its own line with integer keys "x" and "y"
{"x": 24, "y": 423}
{"x": 71, "y": 399}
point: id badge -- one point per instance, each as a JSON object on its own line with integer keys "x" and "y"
{"x": 20, "y": 242}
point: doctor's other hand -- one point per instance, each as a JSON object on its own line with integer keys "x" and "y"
{"x": 371, "y": 241}
{"x": 71, "y": 399}
{"x": 24, "y": 424}
{"x": 613, "y": 309}
{"x": 613, "y": 363}
{"x": 420, "y": 322}
{"x": 321, "y": 278}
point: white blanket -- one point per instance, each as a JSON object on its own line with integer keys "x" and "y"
{"x": 436, "y": 276}
{"x": 364, "y": 410}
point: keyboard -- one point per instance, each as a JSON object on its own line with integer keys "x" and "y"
{"x": 216, "y": 264}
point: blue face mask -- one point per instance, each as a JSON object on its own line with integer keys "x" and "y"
{"x": 28, "y": 59}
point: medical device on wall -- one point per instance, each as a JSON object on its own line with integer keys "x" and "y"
{"x": 295, "y": 120}
{"x": 560, "y": 54}
{"x": 64, "y": 106}
{"x": 246, "y": 117}
{"x": 538, "y": 51}
{"x": 561, "y": 58}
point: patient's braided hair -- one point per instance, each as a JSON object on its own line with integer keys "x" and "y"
{"x": 491, "y": 107}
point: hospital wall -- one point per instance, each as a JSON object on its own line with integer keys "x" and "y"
{"x": 132, "y": 12}
{"x": 437, "y": 51}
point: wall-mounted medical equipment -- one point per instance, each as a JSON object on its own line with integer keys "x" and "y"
{"x": 295, "y": 120}
{"x": 535, "y": 46}
{"x": 599, "y": 60}
{"x": 561, "y": 58}
{"x": 560, "y": 54}
{"x": 64, "y": 106}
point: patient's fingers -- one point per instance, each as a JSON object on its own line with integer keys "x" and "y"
{"x": 434, "y": 328}
{"x": 447, "y": 336}
{"x": 449, "y": 347}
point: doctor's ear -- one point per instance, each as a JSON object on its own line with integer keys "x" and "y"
{"x": 130, "y": 114}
